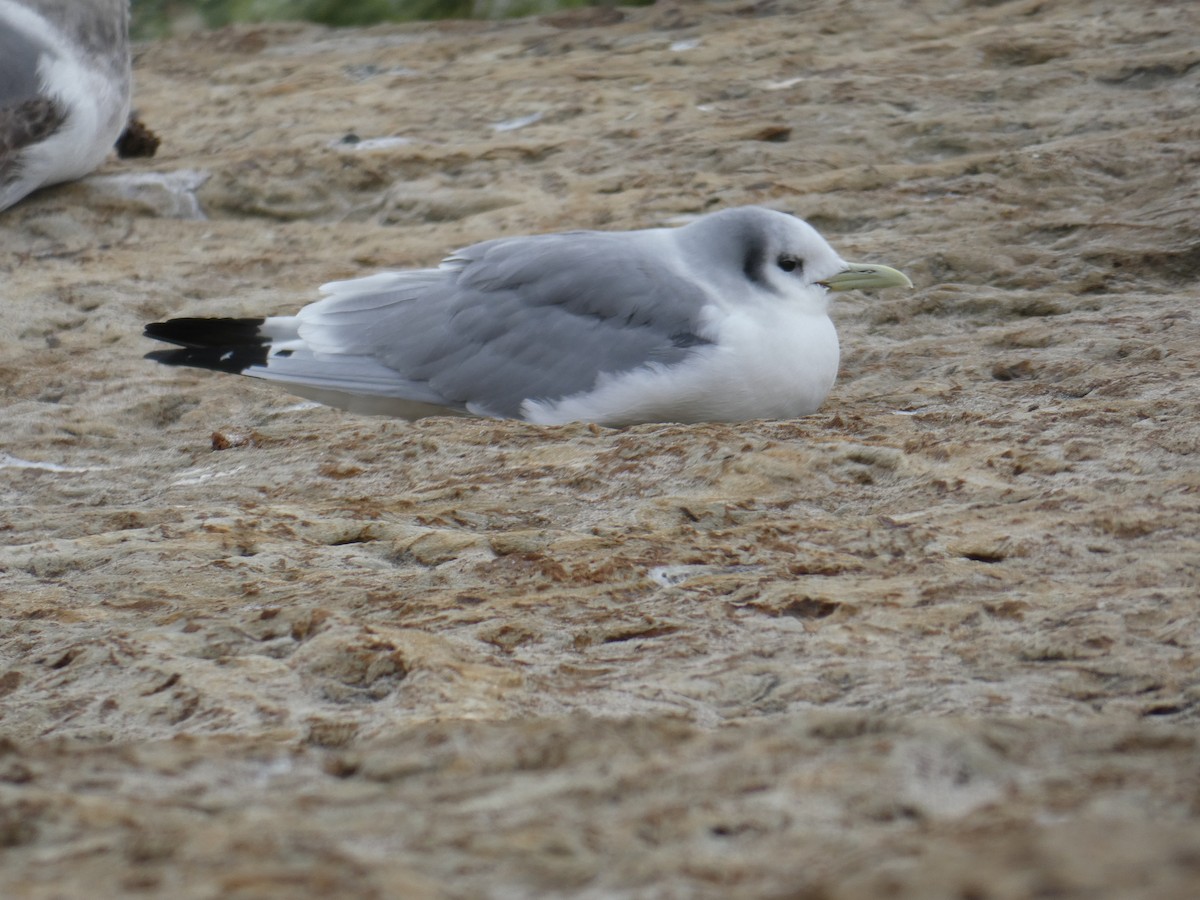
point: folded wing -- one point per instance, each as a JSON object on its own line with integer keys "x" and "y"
{"x": 497, "y": 324}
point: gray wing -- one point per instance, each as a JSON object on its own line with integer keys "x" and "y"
{"x": 19, "y": 54}
{"x": 25, "y": 117}
{"x": 515, "y": 319}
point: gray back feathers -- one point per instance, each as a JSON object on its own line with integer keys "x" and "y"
{"x": 516, "y": 319}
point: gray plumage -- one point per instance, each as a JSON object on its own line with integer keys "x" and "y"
{"x": 19, "y": 53}
{"x": 64, "y": 89}
{"x": 682, "y": 324}
{"x": 460, "y": 337}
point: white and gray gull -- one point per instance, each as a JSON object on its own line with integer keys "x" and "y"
{"x": 723, "y": 319}
{"x": 64, "y": 89}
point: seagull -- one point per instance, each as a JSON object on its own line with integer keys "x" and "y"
{"x": 721, "y": 320}
{"x": 64, "y": 89}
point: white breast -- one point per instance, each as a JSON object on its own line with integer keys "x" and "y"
{"x": 772, "y": 362}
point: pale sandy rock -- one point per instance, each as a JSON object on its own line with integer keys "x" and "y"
{"x": 939, "y": 639}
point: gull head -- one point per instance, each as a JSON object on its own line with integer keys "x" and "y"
{"x": 779, "y": 254}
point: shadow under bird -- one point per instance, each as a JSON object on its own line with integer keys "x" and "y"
{"x": 64, "y": 89}
{"x": 723, "y": 319}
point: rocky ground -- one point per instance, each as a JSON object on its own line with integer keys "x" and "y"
{"x": 937, "y": 640}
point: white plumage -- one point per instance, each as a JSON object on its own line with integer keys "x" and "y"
{"x": 723, "y": 319}
{"x": 64, "y": 90}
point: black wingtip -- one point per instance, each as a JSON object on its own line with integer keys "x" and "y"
{"x": 234, "y": 360}
{"x": 222, "y": 345}
{"x": 207, "y": 332}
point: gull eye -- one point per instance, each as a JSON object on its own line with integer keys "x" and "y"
{"x": 790, "y": 263}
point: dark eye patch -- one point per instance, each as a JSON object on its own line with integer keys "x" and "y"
{"x": 790, "y": 263}
{"x": 754, "y": 261}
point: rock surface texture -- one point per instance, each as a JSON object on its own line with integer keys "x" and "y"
{"x": 939, "y": 639}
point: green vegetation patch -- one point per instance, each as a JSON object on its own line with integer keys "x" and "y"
{"x": 156, "y": 18}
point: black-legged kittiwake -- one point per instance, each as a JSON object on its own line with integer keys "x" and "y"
{"x": 64, "y": 89}
{"x": 723, "y": 319}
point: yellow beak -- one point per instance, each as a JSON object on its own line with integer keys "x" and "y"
{"x": 861, "y": 277}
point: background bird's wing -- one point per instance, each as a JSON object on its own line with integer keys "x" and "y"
{"x": 25, "y": 117}
{"x": 19, "y": 54}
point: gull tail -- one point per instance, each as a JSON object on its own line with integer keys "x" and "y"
{"x": 222, "y": 345}
{"x": 273, "y": 349}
